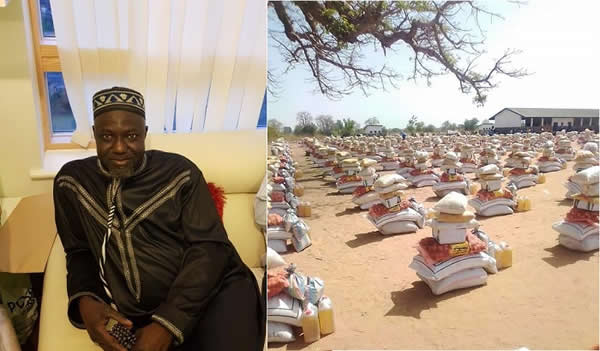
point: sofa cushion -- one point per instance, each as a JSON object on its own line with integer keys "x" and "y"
{"x": 243, "y": 232}
{"x": 56, "y": 332}
{"x": 234, "y": 160}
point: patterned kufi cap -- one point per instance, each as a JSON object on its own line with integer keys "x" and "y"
{"x": 118, "y": 98}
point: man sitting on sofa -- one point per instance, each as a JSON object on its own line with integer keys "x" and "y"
{"x": 145, "y": 246}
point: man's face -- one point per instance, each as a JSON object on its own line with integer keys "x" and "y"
{"x": 120, "y": 137}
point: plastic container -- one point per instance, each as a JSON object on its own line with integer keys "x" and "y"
{"x": 523, "y": 204}
{"x": 504, "y": 256}
{"x": 310, "y": 324}
{"x": 299, "y": 190}
{"x": 326, "y": 318}
{"x": 474, "y": 188}
{"x": 304, "y": 209}
{"x": 541, "y": 179}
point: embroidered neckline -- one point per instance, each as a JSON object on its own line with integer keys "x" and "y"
{"x": 105, "y": 172}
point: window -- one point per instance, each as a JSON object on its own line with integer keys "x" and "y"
{"x": 58, "y": 122}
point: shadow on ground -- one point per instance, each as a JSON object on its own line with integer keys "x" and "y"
{"x": 335, "y": 193}
{"x": 432, "y": 199}
{"x": 366, "y": 238}
{"x": 565, "y": 202}
{"x": 410, "y": 302}
{"x": 349, "y": 211}
{"x": 561, "y": 256}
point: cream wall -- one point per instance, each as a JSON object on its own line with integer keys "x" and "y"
{"x": 507, "y": 119}
{"x": 20, "y": 147}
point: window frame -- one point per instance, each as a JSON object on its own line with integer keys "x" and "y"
{"x": 47, "y": 60}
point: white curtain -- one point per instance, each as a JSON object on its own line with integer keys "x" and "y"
{"x": 201, "y": 65}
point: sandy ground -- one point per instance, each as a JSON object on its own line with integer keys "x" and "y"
{"x": 548, "y": 299}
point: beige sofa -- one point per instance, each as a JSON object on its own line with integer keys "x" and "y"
{"x": 233, "y": 160}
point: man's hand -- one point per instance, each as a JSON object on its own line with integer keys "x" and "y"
{"x": 153, "y": 337}
{"x": 95, "y": 316}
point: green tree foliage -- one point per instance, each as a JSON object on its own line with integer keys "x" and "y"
{"x": 346, "y": 127}
{"x": 446, "y": 126}
{"x": 305, "y": 124}
{"x": 372, "y": 120}
{"x": 274, "y": 128}
{"x": 470, "y": 125}
{"x": 325, "y": 124}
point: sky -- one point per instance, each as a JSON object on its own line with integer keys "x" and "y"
{"x": 559, "y": 44}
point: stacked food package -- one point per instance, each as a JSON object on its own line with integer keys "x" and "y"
{"x": 584, "y": 160}
{"x": 390, "y": 159}
{"x": 407, "y": 164}
{"x": 513, "y": 159}
{"x": 365, "y": 196}
{"x": 331, "y": 160}
{"x": 489, "y": 156}
{"x": 564, "y": 150}
{"x": 347, "y": 183}
{"x": 296, "y": 302}
{"x": 450, "y": 179}
{"x": 422, "y": 176}
{"x": 453, "y": 257}
{"x": 467, "y": 158}
{"x": 579, "y": 230}
{"x": 337, "y": 171}
{"x": 438, "y": 155}
{"x": 372, "y": 152}
{"x": 522, "y": 175}
{"x": 394, "y": 215}
{"x": 492, "y": 200}
{"x": 549, "y": 162}
{"x": 283, "y": 223}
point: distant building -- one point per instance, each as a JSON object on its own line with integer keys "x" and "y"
{"x": 485, "y": 127}
{"x": 548, "y": 119}
{"x": 373, "y": 129}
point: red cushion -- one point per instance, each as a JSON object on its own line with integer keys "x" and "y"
{"x": 218, "y": 195}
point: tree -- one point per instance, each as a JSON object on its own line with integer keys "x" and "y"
{"x": 274, "y": 128}
{"x": 372, "y": 120}
{"x": 430, "y": 128}
{"x": 304, "y": 118}
{"x": 346, "y": 127}
{"x": 419, "y": 126}
{"x": 470, "y": 125}
{"x": 325, "y": 124}
{"x": 287, "y": 130}
{"x": 446, "y": 126}
{"x": 308, "y": 129}
{"x": 411, "y": 127}
{"x": 328, "y": 37}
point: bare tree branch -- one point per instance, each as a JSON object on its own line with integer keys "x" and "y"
{"x": 327, "y": 37}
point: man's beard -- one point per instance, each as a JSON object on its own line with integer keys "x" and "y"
{"x": 124, "y": 172}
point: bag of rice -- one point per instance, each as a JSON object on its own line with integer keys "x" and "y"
{"x": 489, "y": 169}
{"x": 367, "y": 162}
{"x": 452, "y": 203}
{"x": 280, "y": 332}
{"x": 284, "y": 308}
{"x": 272, "y": 259}
{"x": 388, "y": 180}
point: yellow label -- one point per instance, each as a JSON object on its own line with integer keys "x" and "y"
{"x": 459, "y": 249}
